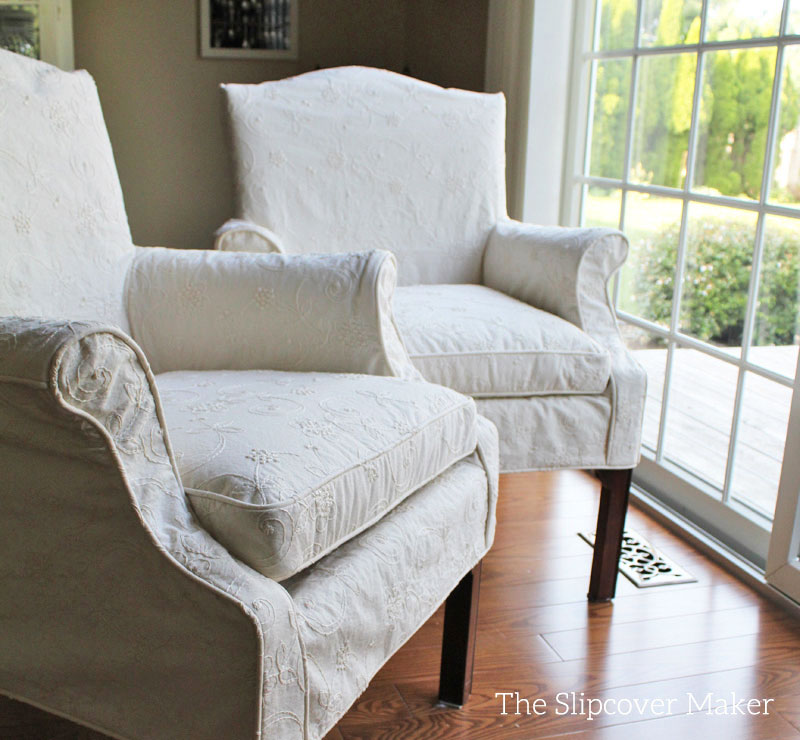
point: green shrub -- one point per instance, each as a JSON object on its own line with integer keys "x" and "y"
{"x": 719, "y": 262}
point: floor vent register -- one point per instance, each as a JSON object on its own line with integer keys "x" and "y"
{"x": 645, "y": 565}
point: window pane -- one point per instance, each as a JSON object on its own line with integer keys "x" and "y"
{"x": 785, "y": 187}
{"x": 742, "y": 19}
{"x": 717, "y": 269}
{"x": 734, "y": 117}
{"x": 776, "y": 331}
{"x": 664, "y": 92}
{"x": 647, "y": 279}
{"x": 701, "y": 400}
{"x": 609, "y": 117}
{"x": 670, "y": 22}
{"x": 617, "y": 24}
{"x": 601, "y": 207}
{"x": 763, "y": 420}
{"x": 19, "y": 29}
{"x": 794, "y": 17}
{"x": 651, "y": 353}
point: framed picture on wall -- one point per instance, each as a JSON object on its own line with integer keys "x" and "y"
{"x": 248, "y": 29}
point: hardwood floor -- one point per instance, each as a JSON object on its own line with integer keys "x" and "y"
{"x": 538, "y": 636}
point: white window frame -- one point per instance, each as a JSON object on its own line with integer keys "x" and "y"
{"x": 529, "y": 58}
{"x": 733, "y": 523}
{"x": 783, "y": 562}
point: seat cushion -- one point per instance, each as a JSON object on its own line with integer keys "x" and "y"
{"x": 486, "y": 344}
{"x": 282, "y": 467}
{"x": 359, "y": 604}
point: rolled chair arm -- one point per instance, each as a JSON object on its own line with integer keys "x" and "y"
{"x": 236, "y": 235}
{"x": 566, "y": 271}
{"x": 30, "y": 349}
{"x": 561, "y": 270}
{"x": 206, "y": 310}
{"x": 118, "y": 610}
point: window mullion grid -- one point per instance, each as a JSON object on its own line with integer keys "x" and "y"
{"x": 689, "y": 341}
{"x": 696, "y": 101}
{"x": 677, "y": 290}
{"x": 758, "y": 251}
{"x": 770, "y": 209}
{"x": 733, "y": 44}
{"x": 587, "y": 142}
{"x": 596, "y": 24}
{"x": 784, "y": 26}
{"x": 672, "y": 334}
{"x": 626, "y": 164}
{"x": 747, "y": 333}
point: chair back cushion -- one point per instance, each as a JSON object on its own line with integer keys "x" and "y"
{"x": 355, "y": 158}
{"x": 64, "y": 237}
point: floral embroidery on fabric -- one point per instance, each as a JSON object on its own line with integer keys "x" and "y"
{"x": 333, "y": 454}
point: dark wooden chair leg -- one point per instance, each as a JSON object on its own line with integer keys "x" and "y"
{"x": 614, "y": 493}
{"x": 458, "y": 642}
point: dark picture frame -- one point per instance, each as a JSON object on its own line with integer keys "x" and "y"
{"x": 248, "y": 29}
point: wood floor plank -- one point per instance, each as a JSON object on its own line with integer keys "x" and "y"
{"x": 570, "y": 483}
{"x": 789, "y": 708}
{"x": 773, "y": 670}
{"x": 771, "y": 679}
{"x": 598, "y": 672}
{"x": 516, "y": 571}
{"x": 611, "y": 638}
{"x": 484, "y": 710}
{"x": 532, "y": 592}
{"x": 688, "y": 727}
{"x": 450, "y": 726}
{"x": 646, "y": 605}
{"x": 625, "y": 669}
{"x": 421, "y": 653}
{"x": 380, "y": 703}
{"x": 699, "y": 726}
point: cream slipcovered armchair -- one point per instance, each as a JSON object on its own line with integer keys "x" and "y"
{"x": 515, "y": 315}
{"x": 210, "y": 527}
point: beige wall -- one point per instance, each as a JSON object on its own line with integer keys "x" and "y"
{"x": 163, "y": 107}
{"x": 446, "y": 41}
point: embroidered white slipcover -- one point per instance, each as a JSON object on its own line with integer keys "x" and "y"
{"x": 119, "y": 609}
{"x": 64, "y": 237}
{"x": 358, "y": 158}
{"x": 283, "y": 313}
{"x": 282, "y": 468}
{"x": 484, "y": 343}
{"x": 353, "y": 158}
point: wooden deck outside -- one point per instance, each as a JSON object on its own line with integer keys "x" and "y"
{"x": 699, "y": 420}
